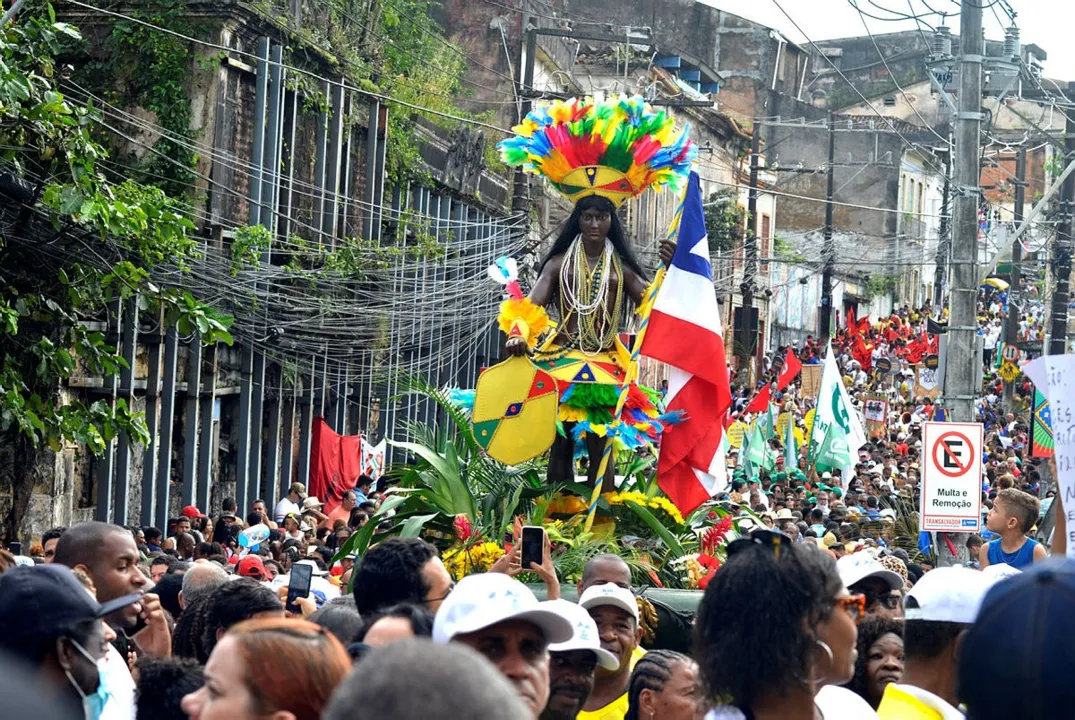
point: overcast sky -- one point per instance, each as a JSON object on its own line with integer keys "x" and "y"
{"x": 1046, "y": 23}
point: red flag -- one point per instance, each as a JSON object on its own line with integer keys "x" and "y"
{"x": 852, "y": 325}
{"x": 335, "y": 464}
{"x": 861, "y": 352}
{"x": 789, "y": 372}
{"x": 760, "y": 401}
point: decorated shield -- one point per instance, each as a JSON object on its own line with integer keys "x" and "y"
{"x": 515, "y": 411}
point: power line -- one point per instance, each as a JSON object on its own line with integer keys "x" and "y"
{"x": 892, "y": 76}
{"x": 857, "y": 91}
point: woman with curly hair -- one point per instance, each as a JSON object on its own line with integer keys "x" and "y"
{"x": 880, "y": 657}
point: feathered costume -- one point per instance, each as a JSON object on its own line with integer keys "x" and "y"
{"x": 615, "y": 148}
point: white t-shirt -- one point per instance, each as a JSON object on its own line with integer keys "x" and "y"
{"x": 120, "y": 705}
{"x": 284, "y": 507}
{"x": 837, "y": 703}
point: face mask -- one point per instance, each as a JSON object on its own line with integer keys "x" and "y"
{"x": 92, "y": 705}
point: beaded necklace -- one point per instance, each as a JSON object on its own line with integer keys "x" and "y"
{"x": 586, "y": 293}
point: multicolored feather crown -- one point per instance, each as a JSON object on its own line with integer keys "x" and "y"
{"x": 615, "y": 148}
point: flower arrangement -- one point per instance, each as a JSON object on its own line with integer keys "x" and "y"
{"x": 656, "y": 503}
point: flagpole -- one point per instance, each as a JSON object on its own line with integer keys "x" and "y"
{"x": 632, "y": 369}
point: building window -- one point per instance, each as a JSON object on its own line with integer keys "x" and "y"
{"x": 890, "y": 101}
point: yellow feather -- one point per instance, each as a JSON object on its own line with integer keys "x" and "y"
{"x": 533, "y": 315}
{"x": 555, "y": 166}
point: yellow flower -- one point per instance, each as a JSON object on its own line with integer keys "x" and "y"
{"x": 655, "y": 503}
{"x": 477, "y": 558}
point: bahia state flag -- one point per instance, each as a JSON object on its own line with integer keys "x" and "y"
{"x": 685, "y": 332}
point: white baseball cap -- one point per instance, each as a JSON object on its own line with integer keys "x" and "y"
{"x": 481, "y": 601}
{"x": 585, "y": 637}
{"x": 610, "y": 594}
{"x": 317, "y": 571}
{"x": 949, "y": 594}
{"x": 859, "y": 566}
{"x": 1003, "y": 571}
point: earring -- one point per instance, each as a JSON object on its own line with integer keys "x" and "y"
{"x": 828, "y": 650}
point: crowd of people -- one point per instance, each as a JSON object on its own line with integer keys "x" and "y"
{"x": 827, "y": 603}
{"x": 784, "y": 630}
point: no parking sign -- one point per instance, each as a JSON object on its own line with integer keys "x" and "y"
{"x": 951, "y": 477}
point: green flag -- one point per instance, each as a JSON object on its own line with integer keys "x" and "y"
{"x": 760, "y": 454}
{"x": 834, "y": 408}
{"x": 833, "y": 452}
{"x": 768, "y": 423}
{"x": 791, "y": 453}
{"x": 756, "y": 451}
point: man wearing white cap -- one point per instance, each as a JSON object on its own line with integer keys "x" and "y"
{"x": 616, "y": 613}
{"x": 939, "y": 609}
{"x": 500, "y": 618}
{"x": 862, "y": 574}
{"x": 572, "y": 664}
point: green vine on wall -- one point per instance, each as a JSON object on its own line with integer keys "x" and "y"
{"x": 144, "y": 68}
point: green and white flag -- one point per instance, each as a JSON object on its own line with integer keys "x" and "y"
{"x": 791, "y": 453}
{"x": 834, "y": 408}
{"x": 833, "y": 453}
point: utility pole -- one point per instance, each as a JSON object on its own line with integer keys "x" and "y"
{"x": 1011, "y": 321}
{"x": 750, "y": 260}
{"x": 944, "y": 239}
{"x": 520, "y": 193}
{"x": 964, "y": 361}
{"x": 1058, "y": 333}
{"x": 830, "y": 250}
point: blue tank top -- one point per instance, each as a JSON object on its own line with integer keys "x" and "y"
{"x": 1021, "y": 558}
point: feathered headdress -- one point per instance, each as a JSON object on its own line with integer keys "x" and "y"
{"x": 615, "y": 148}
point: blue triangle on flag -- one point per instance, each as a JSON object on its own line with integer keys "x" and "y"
{"x": 692, "y": 246}
{"x": 585, "y": 374}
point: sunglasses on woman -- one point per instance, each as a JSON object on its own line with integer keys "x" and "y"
{"x": 855, "y": 605}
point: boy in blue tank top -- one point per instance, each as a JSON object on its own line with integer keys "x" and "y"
{"x": 1013, "y": 515}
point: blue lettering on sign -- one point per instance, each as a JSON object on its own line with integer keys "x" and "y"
{"x": 969, "y": 522}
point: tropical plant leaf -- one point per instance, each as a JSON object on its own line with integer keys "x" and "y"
{"x": 662, "y": 532}
{"x": 413, "y": 527}
{"x": 359, "y": 542}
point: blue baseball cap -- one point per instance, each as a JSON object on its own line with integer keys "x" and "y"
{"x": 47, "y": 600}
{"x": 1022, "y": 634}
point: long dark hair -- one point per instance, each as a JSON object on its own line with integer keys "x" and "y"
{"x": 616, "y": 234}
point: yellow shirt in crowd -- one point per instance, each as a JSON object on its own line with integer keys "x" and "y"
{"x": 616, "y": 709}
{"x": 906, "y": 702}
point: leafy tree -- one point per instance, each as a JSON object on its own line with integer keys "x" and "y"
{"x": 71, "y": 243}
{"x": 725, "y": 219}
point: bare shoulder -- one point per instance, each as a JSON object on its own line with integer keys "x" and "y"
{"x": 554, "y": 264}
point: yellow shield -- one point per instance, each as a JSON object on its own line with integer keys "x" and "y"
{"x": 515, "y": 411}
